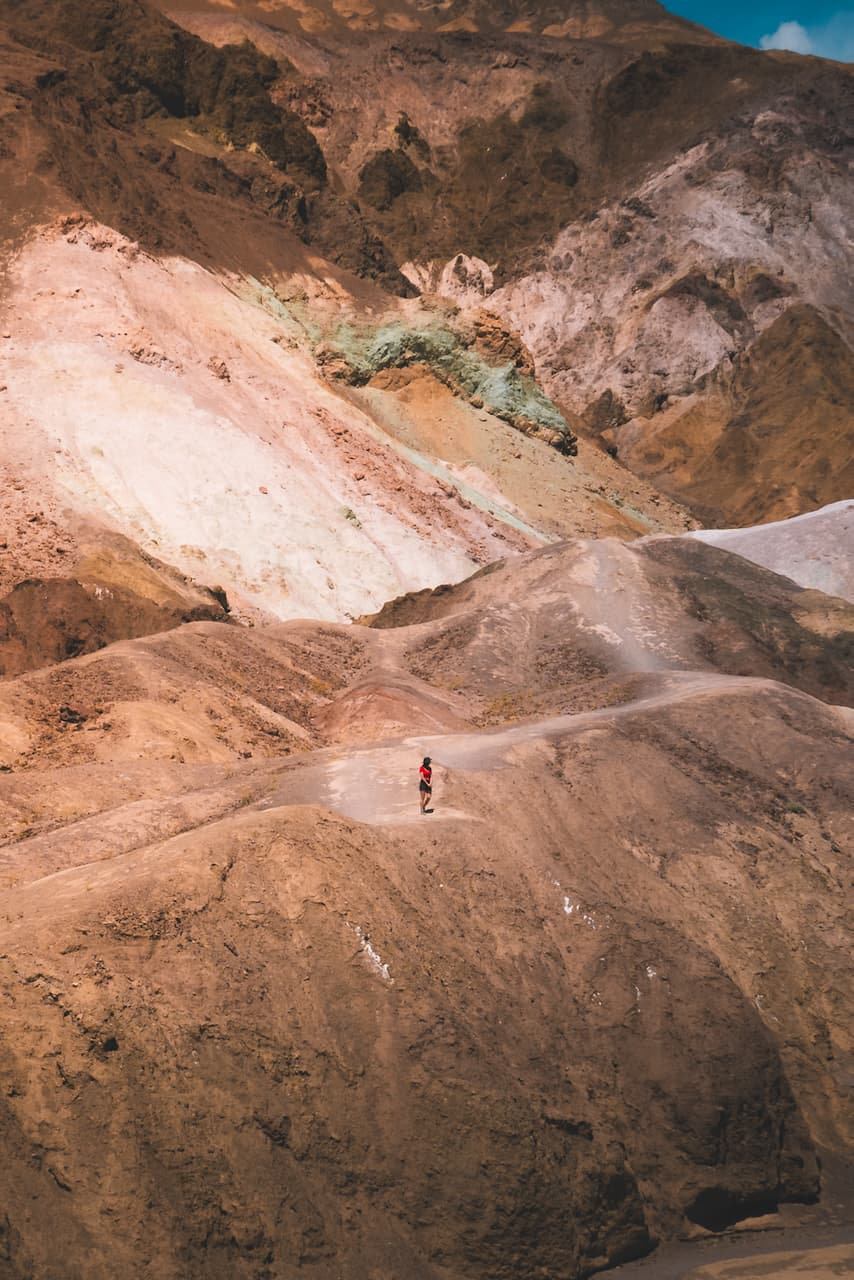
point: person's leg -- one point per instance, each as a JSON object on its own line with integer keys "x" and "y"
{"x": 423, "y": 794}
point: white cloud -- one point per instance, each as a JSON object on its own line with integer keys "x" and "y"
{"x": 789, "y": 35}
{"x": 833, "y": 39}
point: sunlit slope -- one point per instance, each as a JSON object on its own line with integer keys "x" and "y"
{"x": 622, "y": 929}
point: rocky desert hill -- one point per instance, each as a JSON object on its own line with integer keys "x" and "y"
{"x": 665, "y": 218}
{"x": 381, "y": 380}
{"x": 265, "y": 1019}
{"x": 618, "y": 227}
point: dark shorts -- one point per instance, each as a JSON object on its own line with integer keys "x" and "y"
{"x": 424, "y": 786}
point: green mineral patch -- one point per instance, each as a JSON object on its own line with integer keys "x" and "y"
{"x": 356, "y": 354}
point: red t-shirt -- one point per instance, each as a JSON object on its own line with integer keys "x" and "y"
{"x": 426, "y": 774}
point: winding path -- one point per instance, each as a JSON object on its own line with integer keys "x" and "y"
{"x": 378, "y": 784}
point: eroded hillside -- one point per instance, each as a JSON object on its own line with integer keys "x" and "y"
{"x": 163, "y": 270}
{"x": 665, "y": 218}
{"x": 366, "y": 373}
{"x": 269, "y": 1020}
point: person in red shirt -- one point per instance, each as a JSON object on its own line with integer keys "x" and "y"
{"x": 425, "y": 786}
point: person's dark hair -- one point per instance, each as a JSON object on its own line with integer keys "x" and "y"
{"x": 426, "y": 760}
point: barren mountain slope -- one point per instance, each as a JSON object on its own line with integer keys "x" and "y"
{"x": 664, "y": 225}
{"x": 550, "y": 623}
{"x": 771, "y": 410}
{"x": 184, "y": 409}
{"x": 666, "y": 221}
{"x": 619, "y": 19}
{"x": 571, "y": 628}
{"x": 289, "y": 434}
{"x": 607, "y": 993}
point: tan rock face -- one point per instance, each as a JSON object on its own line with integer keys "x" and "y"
{"x": 46, "y": 621}
{"x": 577, "y": 19}
{"x": 499, "y": 344}
{"x": 753, "y": 443}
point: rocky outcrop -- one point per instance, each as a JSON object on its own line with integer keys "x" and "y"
{"x": 151, "y": 67}
{"x": 496, "y": 343}
{"x": 638, "y": 200}
{"x": 386, "y": 177}
{"x": 182, "y": 128}
{"x": 766, "y": 435}
{"x": 42, "y": 622}
{"x": 479, "y": 359}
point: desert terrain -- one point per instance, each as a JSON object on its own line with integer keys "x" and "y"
{"x": 387, "y": 381}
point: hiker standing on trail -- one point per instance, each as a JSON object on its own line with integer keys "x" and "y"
{"x": 425, "y": 786}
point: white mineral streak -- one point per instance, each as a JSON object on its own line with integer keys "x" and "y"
{"x": 371, "y": 955}
{"x": 219, "y": 449}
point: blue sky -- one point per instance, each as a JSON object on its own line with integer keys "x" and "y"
{"x": 807, "y": 26}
